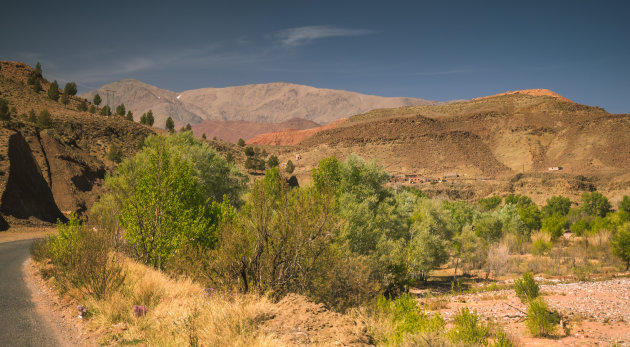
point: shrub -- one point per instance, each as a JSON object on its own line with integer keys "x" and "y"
{"x": 526, "y": 287}
{"x": 556, "y": 204}
{"x": 241, "y": 143}
{"x": 129, "y": 116}
{"x": 406, "y": 318}
{"x": 290, "y": 167}
{"x": 595, "y": 204}
{"x": 82, "y": 106}
{"x": 82, "y": 258}
{"x": 273, "y": 161}
{"x": 501, "y": 339}
{"x": 489, "y": 204}
{"x": 37, "y": 87}
{"x": 44, "y": 119}
{"x": 64, "y": 99}
{"x": 541, "y": 247}
{"x": 540, "y": 321}
{"x": 468, "y": 329}
{"x": 579, "y": 227}
{"x": 115, "y": 154}
{"x": 4, "y": 109}
{"x": 554, "y": 225}
{"x": 32, "y": 117}
{"x": 170, "y": 125}
{"x": 620, "y": 244}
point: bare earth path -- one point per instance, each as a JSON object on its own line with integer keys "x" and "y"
{"x": 20, "y": 324}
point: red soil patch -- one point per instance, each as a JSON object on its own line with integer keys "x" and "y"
{"x": 290, "y": 137}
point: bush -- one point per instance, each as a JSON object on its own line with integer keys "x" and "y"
{"x": 468, "y": 329}
{"x": 541, "y": 247}
{"x": 540, "y": 321}
{"x": 554, "y": 225}
{"x": 526, "y": 288}
{"x": 44, "y": 120}
{"x": 406, "y": 318}
{"x": 501, "y": 339}
{"x": 579, "y": 227}
{"x": 241, "y": 143}
{"x": 595, "y": 204}
{"x": 170, "y": 125}
{"x": 82, "y": 258}
{"x": 620, "y": 244}
{"x": 70, "y": 89}
{"x": 290, "y": 167}
{"x": 82, "y": 106}
{"x": 115, "y": 154}
{"x": 97, "y": 100}
{"x": 4, "y": 109}
{"x": 273, "y": 161}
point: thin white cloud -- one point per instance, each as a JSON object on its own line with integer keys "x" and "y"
{"x": 302, "y": 35}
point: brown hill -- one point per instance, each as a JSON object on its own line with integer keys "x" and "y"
{"x": 290, "y": 137}
{"x": 233, "y": 130}
{"x": 535, "y": 92}
{"x": 486, "y": 141}
{"x": 46, "y": 173}
{"x": 261, "y": 103}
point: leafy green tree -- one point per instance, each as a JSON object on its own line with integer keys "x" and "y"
{"x": 556, "y": 204}
{"x": 44, "y": 120}
{"x": 555, "y": 225}
{"x": 579, "y": 227}
{"x": 53, "y": 91}
{"x": 488, "y": 227}
{"x": 70, "y": 89}
{"x": 595, "y": 204}
{"x": 163, "y": 204}
{"x": 290, "y": 167}
{"x": 273, "y": 161}
{"x": 97, "y": 100}
{"x": 471, "y": 251}
{"x": 170, "y": 125}
{"x": 82, "y": 106}
{"x": 518, "y": 200}
{"x": 530, "y": 215}
{"x": 129, "y": 116}
{"x": 620, "y": 244}
{"x": 241, "y": 142}
{"x": 490, "y": 203}
{"x": 120, "y": 110}
{"x": 4, "y": 109}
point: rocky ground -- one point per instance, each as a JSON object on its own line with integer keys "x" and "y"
{"x": 595, "y": 313}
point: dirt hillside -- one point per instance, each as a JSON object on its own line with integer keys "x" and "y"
{"x": 487, "y": 142}
{"x": 535, "y": 92}
{"x": 291, "y": 137}
{"x": 49, "y": 172}
{"x": 232, "y": 130}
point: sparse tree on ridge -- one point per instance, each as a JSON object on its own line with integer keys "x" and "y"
{"x": 170, "y": 125}
{"x": 82, "y": 106}
{"x": 120, "y": 110}
{"x": 4, "y": 109}
{"x": 273, "y": 161}
{"x": 38, "y": 69}
{"x": 70, "y": 89}
{"x": 241, "y": 142}
{"x": 129, "y": 116}
{"x": 53, "y": 91}
{"x": 97, "y": 100}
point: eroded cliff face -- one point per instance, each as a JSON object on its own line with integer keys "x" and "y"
{"x": 25, "y": 193}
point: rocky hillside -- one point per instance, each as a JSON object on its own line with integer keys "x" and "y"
{"x": 50, "y": 170}
{"x": 232, "y": 130}
{"x": 261, "y": 103}
{"x": 291, "y": 137}
{"x": 487, "y": 142}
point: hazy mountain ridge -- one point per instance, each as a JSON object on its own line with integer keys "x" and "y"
{"x": 264, "y": 103}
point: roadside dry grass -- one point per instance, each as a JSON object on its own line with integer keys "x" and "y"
{"x": 179, "y": 313}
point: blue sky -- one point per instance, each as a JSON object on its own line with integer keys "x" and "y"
{"x": 439, "y": 50}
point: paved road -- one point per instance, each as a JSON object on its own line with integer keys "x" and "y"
{"x": 19, "y": 323}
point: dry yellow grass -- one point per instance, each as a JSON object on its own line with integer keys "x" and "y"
{"x": 179, "y": 313}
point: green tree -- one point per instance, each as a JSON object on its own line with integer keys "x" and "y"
{"x": 620, "y": 244}
{"x": 64, "y": 99}
{"x": 82, "y": 106}
{"x": 556, "y": 204}
{"x": 92, "y": 109}
{"x": 37, "y": 87}
{"x": 530, "y": 215}
{"x": 44, "y": 120}
{"x": 147, "y": 118}
{"x": 290, "y": 167}
{"x": 188, "y": 127}
{"x": 38, "y": 69}
{"x": 555, "y": 225}
{"x": 249, "y": 151}
{"x": 241, "y": 142}
{"x": 4, "y": 109}
{"x": 488, "y": 227}
{"x": 32, "y": 117}
{"x": 518, "y": 200}
{"x": 163, "y": 203}
{"x": 203, "y": 136}
{"x": 170, "y": 125}
{"x": 595, "y": 204}
{"x": 490, "y": 203}
{"x": 115, "y": 154}
{"x": 120, "y": 110}
{"x": 273, "y": 161}
{"x": 129, "y": 116}
{"x": 70, "y": 89}
{"x": 53, "y": 91}
{"x": 97, "y": 100}
{"x": 106, "y": 111}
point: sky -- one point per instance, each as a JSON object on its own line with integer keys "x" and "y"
{"x": 435, "y": 50}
